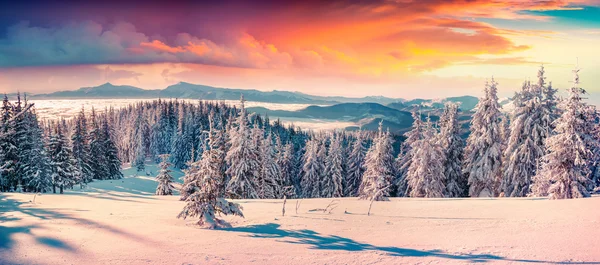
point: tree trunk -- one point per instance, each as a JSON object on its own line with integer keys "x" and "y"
{"x": 61, "y": 189}
{"x": 53, "y": 188}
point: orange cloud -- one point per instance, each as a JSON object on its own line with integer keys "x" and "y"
{"x": 160, "y": 46}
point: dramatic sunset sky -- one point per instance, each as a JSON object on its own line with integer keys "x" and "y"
{"x": 404, "y": 48}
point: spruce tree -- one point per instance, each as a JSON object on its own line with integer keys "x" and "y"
{"x": 113, "y": 163}
{"x": 204, "y": 179}
{"x": 164, "y": 178}
{"x": 565, "y": 168}
{"x": 425, "y": 176}
{"x": 242, "y": 160}
{"x": 62, "y": 163}
{"x": 483, "y": 159}
{"x": 355, "y": 166}
{"x": 8, "y": 147}
{"x": 270, "y": 184}
{"x": 402, "y": 162}
{"x": 311, "y": 170}
{"x": 81, "y": 151}
{"x": 528, "y": 132}
{"x": 334, "y": 170}
{"x": 452, "y": 146}
{"x": 98, "y": 160}
{"x": 379, "y": 170}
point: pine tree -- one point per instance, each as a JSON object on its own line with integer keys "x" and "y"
{"x": 8, "y": 147}
{"x": 205, "y": 179}
{"x": 37, "y": 168}
{"x": 113, "y": 163}
{"x": 483, "y": 159}
{"x": 164, "y": 178}
{"x": 402, "y": 162}
{"x": 379, "y": 170}
{"x": 62, "y": 163}
{"x": 98, "y": 160}
{"x": 425, "y": 176}
{"x": 270, "y": 183}
{"x": 529, "y": 130}
{"x": 356, "y": 167}
{"x": 81, "y": 151}
{"x": 565, "y": 168}
{"x": 242, "y": 160}
{"x": 452, "y": 146}
{"x": 286, "y": 164}
{"x": 334, "y": 171}
{"x": 311, "y": 170}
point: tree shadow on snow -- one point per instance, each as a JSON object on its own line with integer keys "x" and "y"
{"x": 10, "y": 206}
{"x": 333, "y": 242}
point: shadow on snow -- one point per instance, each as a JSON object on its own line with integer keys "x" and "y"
{"x": 332, "y": 242}
{"x": 11, "y": 210}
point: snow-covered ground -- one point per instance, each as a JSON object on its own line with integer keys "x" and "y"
{"x": 121, "y": 222}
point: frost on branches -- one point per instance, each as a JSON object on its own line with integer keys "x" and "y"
{"x": 405, "y": 156}
{"x": 331, "y": 184}
{"x": 242, "y": 159}
{"x": 425, "y": 176}
{"x": 565, "y": 168}
{"x": 204, "y": 179}
{"x": 379, "y": 165}
{"x": 164, "y": 178}
{"x": 483, "y": 159}
{"x": 529, "y": 129}
{"x": 452, "y": 146}
{"x": 355, "y": 166}
{"x": 311, "y": 170}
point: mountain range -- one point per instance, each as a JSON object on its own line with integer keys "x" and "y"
{"x": 193, "y": 91}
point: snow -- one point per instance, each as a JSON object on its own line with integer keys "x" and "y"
{"x": 122, "y": 222}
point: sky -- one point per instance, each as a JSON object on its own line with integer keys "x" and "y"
{"x": 403, "y": 48}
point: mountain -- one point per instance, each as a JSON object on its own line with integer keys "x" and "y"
{"x": 193, "y": 91}
{"x": 107, "y": 90}
{"x": 365, "y": 115}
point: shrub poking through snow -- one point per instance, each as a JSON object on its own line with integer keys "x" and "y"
{"x": 164, "y": 178}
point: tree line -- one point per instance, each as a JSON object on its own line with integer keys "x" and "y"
{"x": 546, "y": 146}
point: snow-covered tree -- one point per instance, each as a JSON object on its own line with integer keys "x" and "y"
{"x": 312, "y": 170}
{"x": 286, "y": 162}
{"x": 565, "y": 167}
{"x": 355, "y": 166}
{"x": 81, "y": 148}
{"x": 425, "y": 176}
{"x": 483, "y": 153}
{"x": 164, "y": 178}
{"x": 9, "y": 152}
{"x": 269, "y": 184}
{"x": 528, "y": 132}
{"x": 37, "y": 169}
{"x": 98, "y": 160}
{"x": 452, "y": 146}
{"x": 331, "y": 185}
{"x": 62, "y": 163}
{"x": 242, "y": 160}
{"x": 379, "y": 168}
{"x": 205, "y": 178}
{"x": 402, "y": 162}
{"x": 113, "y": 162}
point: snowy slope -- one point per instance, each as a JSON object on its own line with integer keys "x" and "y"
{"x": 118, "y": 222}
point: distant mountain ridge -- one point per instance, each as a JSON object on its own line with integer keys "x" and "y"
{"x": 193, "y": 91}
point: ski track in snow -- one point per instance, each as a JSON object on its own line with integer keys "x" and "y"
{"x": 122, "y": 222}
